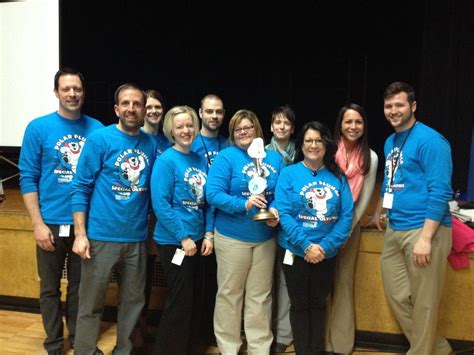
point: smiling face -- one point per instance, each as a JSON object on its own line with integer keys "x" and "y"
{"x": 130, "y": 110}
{"x": 154, "y": 111}
{"x": 282, "y": 128}
{"x": 399, "y": 112}
{"x": 212, "y": 115}
{"x": 352, "y": 126}
{"x": 244, "y": 133}
{"x": 183, "y": 131}
{"x": 313, "y": 148}
{"x": 70, "y": 94}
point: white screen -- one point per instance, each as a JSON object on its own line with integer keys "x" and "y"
{"x": 29, "y": 58}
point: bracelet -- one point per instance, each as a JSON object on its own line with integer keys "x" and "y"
{"x": 208, "y": 237}
{"x": 308, "y": 249}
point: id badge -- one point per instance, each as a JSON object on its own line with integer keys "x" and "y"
{"x": 289, "y": 257}
{"x": 178, "y": 257}
{"x": 64, "y": 230}
{"x": 387, "y": 200}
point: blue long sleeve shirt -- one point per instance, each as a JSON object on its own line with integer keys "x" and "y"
{"x": 49, "y": 155}
{"x": 112, "y": 185}
{"x": 178, "y": 188}
{"x": 209, "y": 147}
{"x": 313, "y": 209}
{"x": 228, "y": 191}
{"x": 421, "y": 183}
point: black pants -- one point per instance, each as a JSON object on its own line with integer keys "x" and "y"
{"x": 308, "y": 287}
{"x": 50, "y": 268}
{"x": 179, "y": 328}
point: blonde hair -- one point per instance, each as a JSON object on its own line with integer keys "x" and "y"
{"x": 172, "y": 113}
{"x": 238, "y": 117}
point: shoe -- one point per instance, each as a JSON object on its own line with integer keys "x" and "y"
{"x": 278, "y": 348}
{"x": 56, "y": 352}
{"x": 98, "y": 352}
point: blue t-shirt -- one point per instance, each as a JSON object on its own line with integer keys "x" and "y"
{"x": 49, "y": 154}
{"x": 313, "y": 209}
{"x": 112, "y": 185}
{"x": 178, "y": 191}
{"x": 421, "y": 185}
{"x": 228, "y": 191}
{"x": 209, "y": 147}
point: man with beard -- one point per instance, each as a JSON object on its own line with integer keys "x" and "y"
{"x": 209, "y": 142}
{"x": 51, "y": 147}
{"x": 110, "y": 195}
{"x": 415, "y": 192}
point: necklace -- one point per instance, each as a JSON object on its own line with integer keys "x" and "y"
{"x": 314, "y": 172}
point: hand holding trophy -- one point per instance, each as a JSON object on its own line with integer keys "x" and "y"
{"x": 258, "y": 182}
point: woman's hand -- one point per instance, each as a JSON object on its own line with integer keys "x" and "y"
{"x": 207, "y": 247}
{"x": 315, "y": 254}
{"x": 258, "y": 201}
{"x": 274, "y": 221}
{"x": 189, "y": 246}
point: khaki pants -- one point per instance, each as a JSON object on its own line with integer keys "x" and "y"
{"x": 414, "y": 293}
{"x": 244, "y": 279}
{"x": 340, "y": 318}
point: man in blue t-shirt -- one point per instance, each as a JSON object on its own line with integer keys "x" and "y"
{"x": 415, "y": 192}
{"x": 209, "y": 142}
{"x": 110, "y": 203}
{"x": 49, "y": 154}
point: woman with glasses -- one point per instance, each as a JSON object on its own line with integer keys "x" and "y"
{"x": 359, "y": 164}
{"x": 245, "y": 249}
{"x": 315, "y": 205}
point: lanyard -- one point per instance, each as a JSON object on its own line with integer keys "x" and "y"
{"x": 396, "y": 159}
{"x": 207, "y": 152}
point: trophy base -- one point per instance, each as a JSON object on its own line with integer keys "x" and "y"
{"x": 263, "y": 215}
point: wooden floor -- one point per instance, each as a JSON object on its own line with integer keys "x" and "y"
{"x": 22, "y": 333}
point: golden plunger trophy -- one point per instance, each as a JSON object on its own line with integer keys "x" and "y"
{"x": 258, "y": 182}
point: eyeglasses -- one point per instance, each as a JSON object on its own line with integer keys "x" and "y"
{"x": 243, "y": 129}
{"x": 309, "y": 142}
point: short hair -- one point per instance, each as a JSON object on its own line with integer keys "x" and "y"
{"x": 67, "y": 71}
{"x": 211, "y": 97}
{"x": 128, "y": 86}
{"x": 172, "y": 113}
{"x": 329, "y": 158}
{"x": 155, "y": 94}
{"x": 398, "y": 87}
{"x": 285, "y": 111}
{"x": 363, "y": 140}
{"x": 239, "y": 116}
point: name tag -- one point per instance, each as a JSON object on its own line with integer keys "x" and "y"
{"x": 178, "y": 257}
{"x": 289, "y": 258}
{"x": 387, "y": 200}
{"x": 64, "y": 230}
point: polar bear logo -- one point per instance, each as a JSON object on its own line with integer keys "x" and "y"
{"x": 317, "y": 199}
{"x": 70, "y": 153}
{"x": 196, "y": 183}
{"x": 131, "y": 169}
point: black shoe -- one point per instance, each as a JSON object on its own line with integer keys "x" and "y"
{"x": 56, "y": 352}
{"x": 98, "y": 352}
{"x": 278, "y": 348}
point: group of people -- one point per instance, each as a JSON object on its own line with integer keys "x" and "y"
{"x": 112, "y": 198}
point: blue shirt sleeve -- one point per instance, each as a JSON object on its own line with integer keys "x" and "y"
{"x": 162, "y": 190}
{"x": 218, "y": 190}
{"x": 83, "y": 182}
{"x": 435, "y": 160}
{"x": 30, "y": 160}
